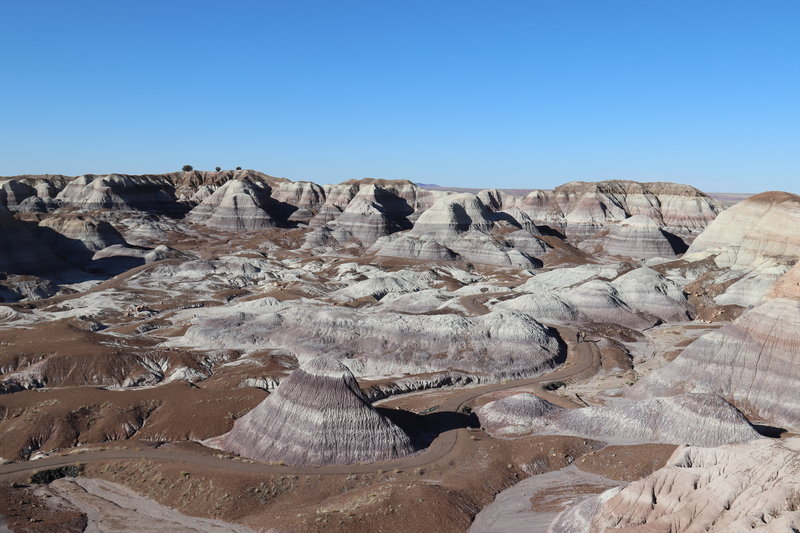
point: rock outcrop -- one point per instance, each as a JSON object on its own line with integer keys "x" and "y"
{"x": 500, "y": 344}
{"x": 638, "y": 298}
{"x": 107, "y": 506}
{"x": 762, "y": 228}
{"x": 698, "y": 419}
{"x": 17, "y": 190}
{"x": 754, "y": 361}
{"x": 76, "y": 238}
{"x": 372, "y": 213}
{"x": 415, "y": 200}
{"x": 580, "y": 209}
{"x": 741, "y": 487}
{"x": 239, "y": 204}
{"x": 459, "y": 227}
{"x": 189, "y": 186}
{"x": 637, "y": 237}
{"x": 301, "y": 200}
{"x": 316, "y": 416}
{"x": 152, "y": 193}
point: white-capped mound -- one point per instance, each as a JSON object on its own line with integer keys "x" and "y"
{"x": 648, "y": 291}
{"x": 453, "y": 214}
{"x": 517, "y": 414}
{"x": 317, "y": 416}
{"x": 697, "y": 419}
{"x": 544, "y": 306}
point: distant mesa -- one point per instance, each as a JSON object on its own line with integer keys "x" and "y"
{"x": 317, "y": 416}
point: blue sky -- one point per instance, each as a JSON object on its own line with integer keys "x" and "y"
{"x": 506, "y": 94}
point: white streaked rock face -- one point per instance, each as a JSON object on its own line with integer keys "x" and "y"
{"x": 301, "y": 199}
{"x": 458, "y": 227}
{"x": 648, "y": 291}
{"x": 698, "y": 419}
{"x": 372, "y": 213}
{"x": 121, "y": 192}
{"x": 316, "y": 416}
{"x": 236, "y": 205}
{"x": 498, "y": 344}
{"x": 755, "y": 361}
{"x": 580, "y": 209}
{"x": 639, "y": 298}
{"x": 732, "y": 489}
{"x": 764, "y": 227}
{"x": 638, "y": 237}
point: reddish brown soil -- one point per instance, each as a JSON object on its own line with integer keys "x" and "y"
{"x": 24, "y": 512}
{"x": 626, "y": 463}
{"x": 53, "y": 419}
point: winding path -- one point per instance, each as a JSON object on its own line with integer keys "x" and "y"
{"x": 581, "y": 358}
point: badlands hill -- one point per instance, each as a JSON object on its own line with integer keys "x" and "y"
{"x": 742, "y": 487}
{"x": 490, "y": 228}
{"x": 317, "y": 416}
{"x": 753, "y": 360}
{"x": 163, "y": 324}
{"x": 697, "y": 419}
{"x": 761, "y": 228}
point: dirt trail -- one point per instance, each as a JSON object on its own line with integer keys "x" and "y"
{"x": 581, "y": 359}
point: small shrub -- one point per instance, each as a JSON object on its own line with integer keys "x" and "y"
{"x": 188, "y": 168}
{"x": 46, "y": 476}
{"x": 238, "y": 168}
{"x": 217, "y": 168}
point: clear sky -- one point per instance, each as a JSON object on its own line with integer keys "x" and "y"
{"x": 470, "y": 93}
